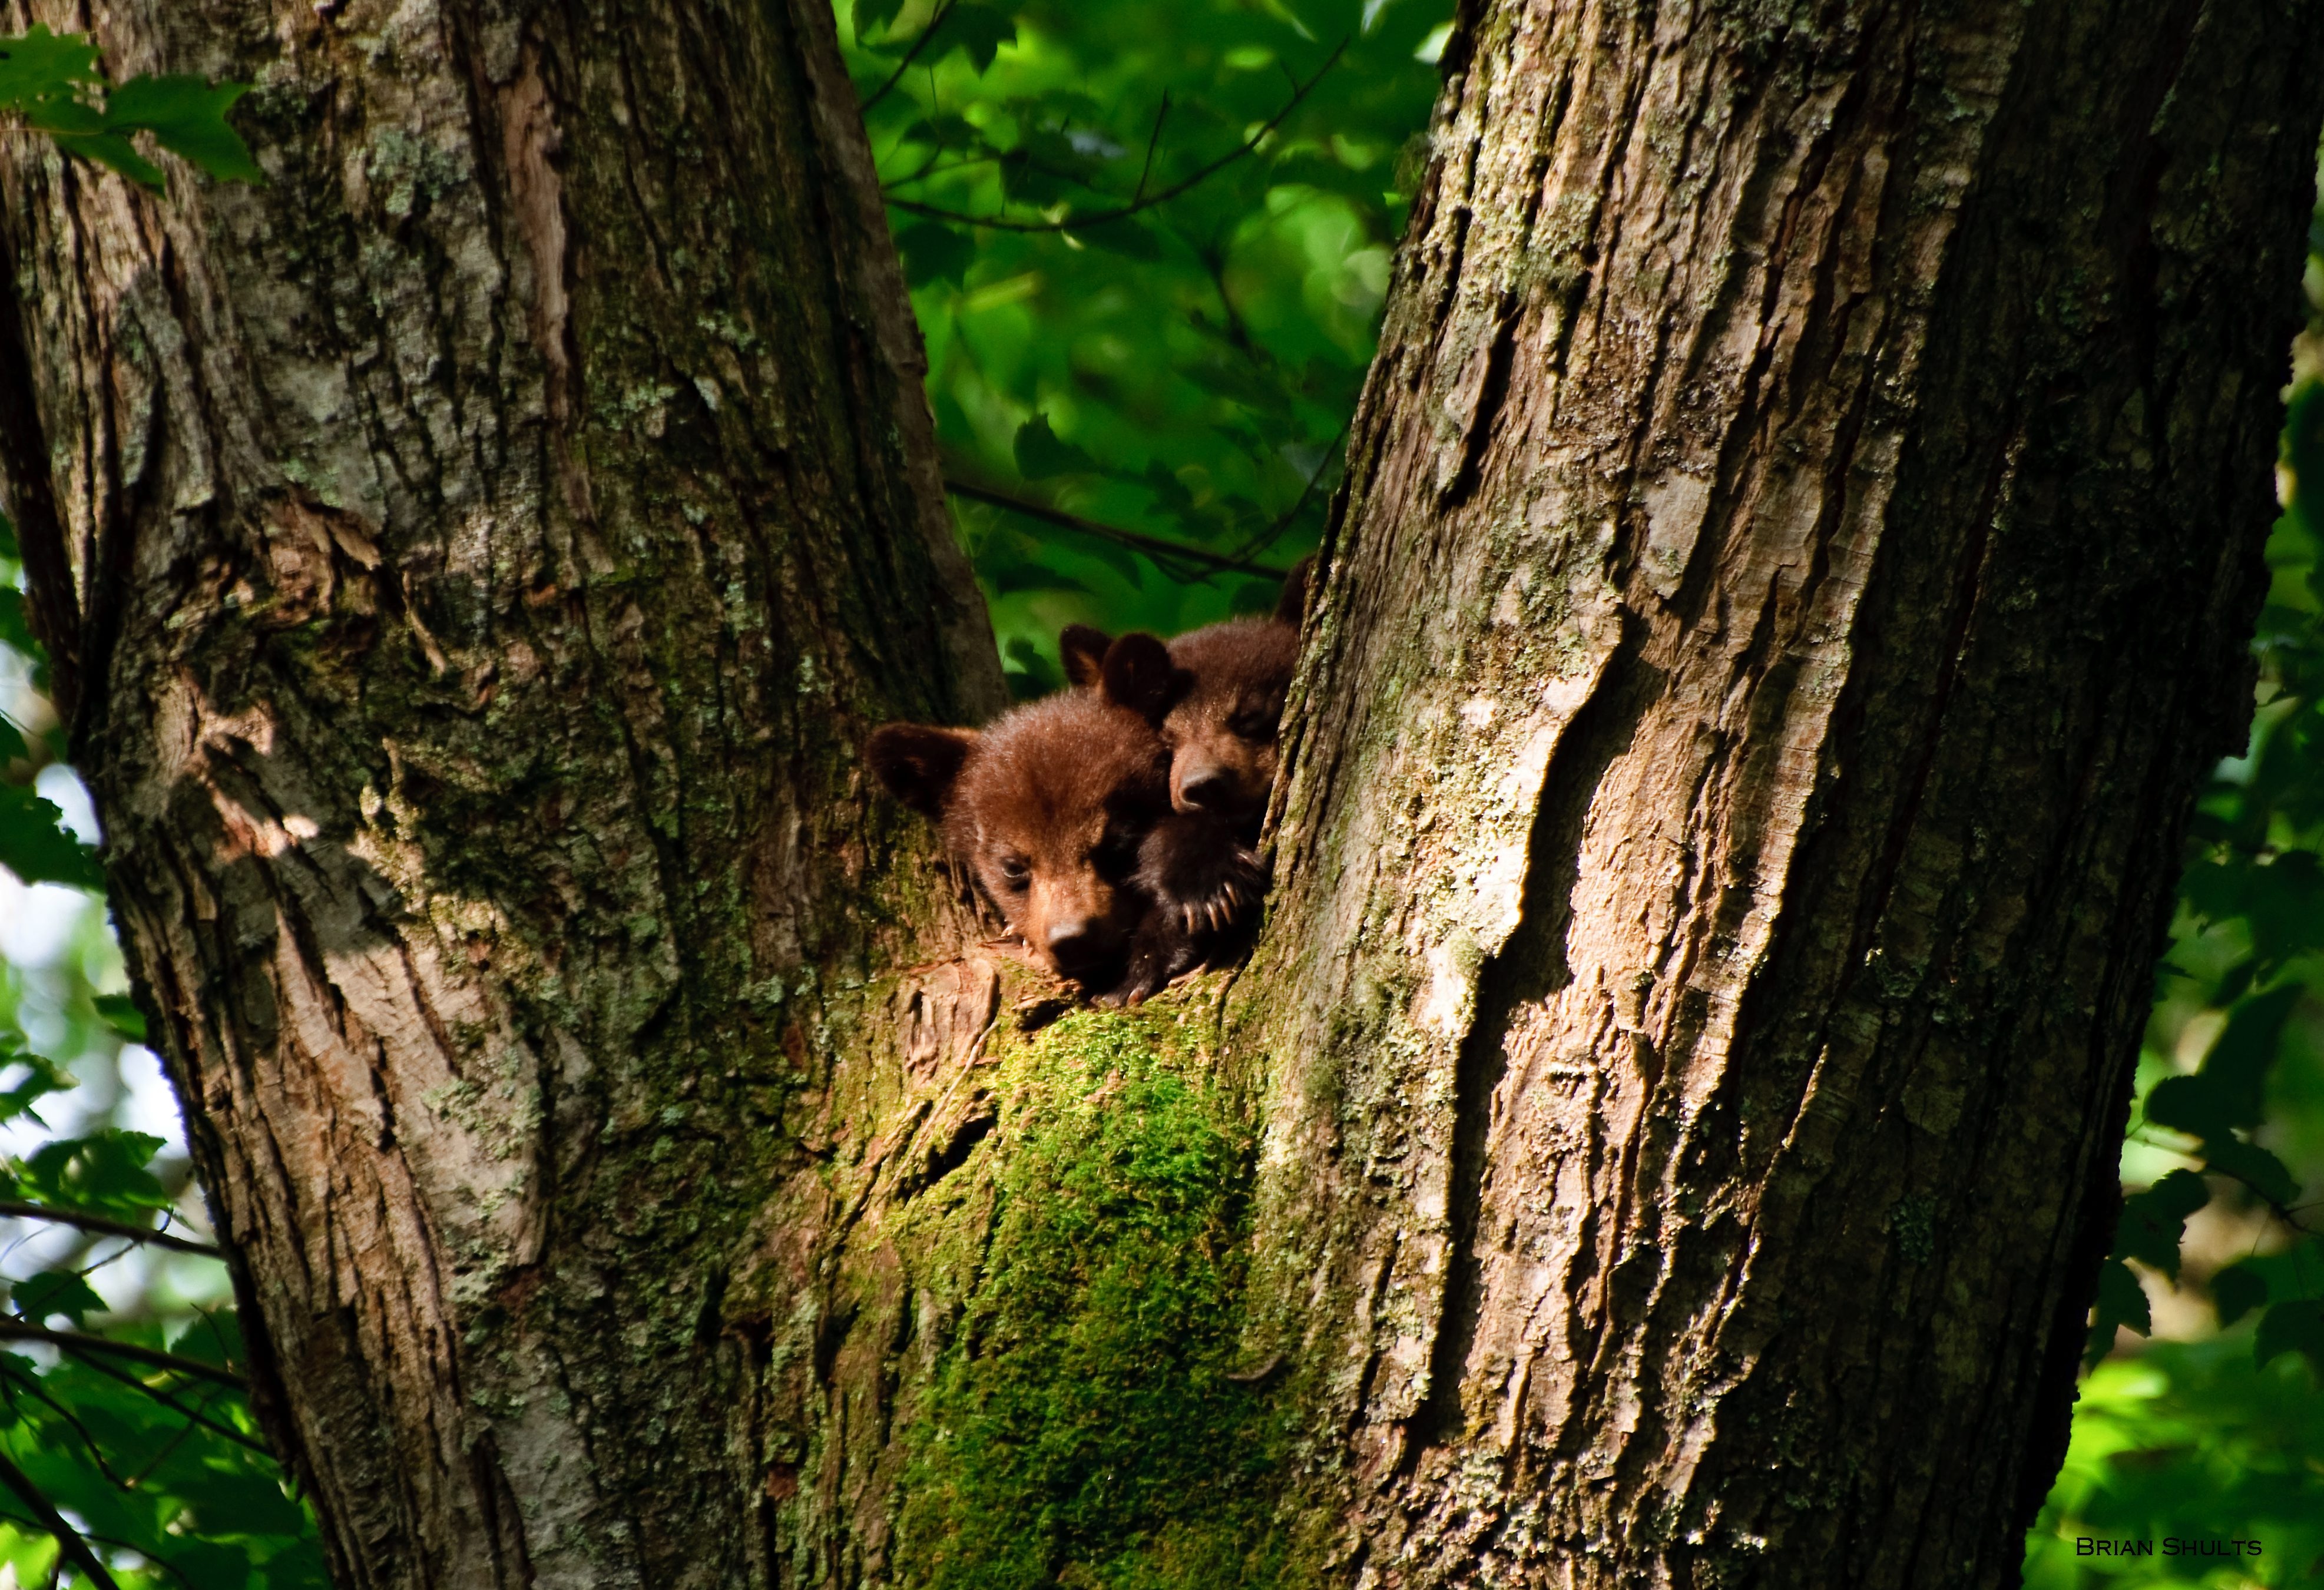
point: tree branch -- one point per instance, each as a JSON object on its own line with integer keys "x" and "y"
{"x": 1153, "y": 142}
{"x": 1163, "y": 196}
{"x": 905, "y": 65}
{"x": 91, "y": 1361}
{"x": 82, "y": 1341}
{"x": 68, "y": 1540}
{"x": 1153, "y": 545}
{"x": 105, "y": 1227}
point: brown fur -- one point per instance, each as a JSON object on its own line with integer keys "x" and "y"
{"x": 1221, "y": 723}
{"x": 1218, "y": 707}
{"x": 1050, "y": 807}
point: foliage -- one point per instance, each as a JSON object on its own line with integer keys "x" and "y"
{"x": 1084, "y": 1427}
{"x": 51, "y": 83}
{"x": 152, "y": 1459}
{"x": 128, "y": 1452}
{"x": 1147, "y": 245}
{"x": 2188, "y": 1442}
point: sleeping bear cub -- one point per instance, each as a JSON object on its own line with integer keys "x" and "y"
{"x": 1219, "y": 713}
{"x": 1050, "y": 806}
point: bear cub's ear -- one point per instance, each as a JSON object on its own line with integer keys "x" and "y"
{"x": 1291, "y": 607}
{"x": 919, "y": 762}
{"x": 1139, "y": 674}
{"x": 1082, "y": 650}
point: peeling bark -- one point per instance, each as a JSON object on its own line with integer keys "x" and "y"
{"x": 1696, "y": 1028}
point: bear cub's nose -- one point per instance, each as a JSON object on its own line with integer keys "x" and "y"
{"x": 1206, "y": 789}
{"x": 1074, "y": 942}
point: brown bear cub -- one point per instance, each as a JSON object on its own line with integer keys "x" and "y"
{"x": 1218, "y": 716}
{"x": 1050, "y": 806}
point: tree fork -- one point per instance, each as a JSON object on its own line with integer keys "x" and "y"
{"x": 1695, "y": 1027}
{"x": 483, "y": 547}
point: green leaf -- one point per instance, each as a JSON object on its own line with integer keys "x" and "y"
{"x": 980, "y": 29}
{"x": 55, "y": 1292}
{"x": 119, "y": 1012}
{"x": 1128, "y": 237}
{"x": 1257, "y": 596}
{"x": 2154, "y": 1222}
{"x": 13, "y": 631}
{"x": 2254, "y": 1166}
{"x": 2303, "y": 454}
{"x": 1042, "y": 453}
{"x": 873, "y": 17}
{"x": 214, "y": 1338}
{"x": 104, "y": 1173}
{"x": 42, "y": 65}
{"x": 2121, "y": 1301}
{"x": 1029, "y": 673}
{"x": 1006, "y": 576}
{"x": 934, "y": 252}
{"x": 111, "y": 150}
{"x": 2293, "y": 1327}
{"x": 42, "y": 1077}
{"x": 2235, "y": 1292}
{"x": 186, "y": 116}
{"x": 35, "y": 845}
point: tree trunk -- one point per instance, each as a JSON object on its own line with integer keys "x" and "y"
{"x": 1689, "y": 1048}
{"x": 1696, "y": 1026}
{"x": 487, "y": 544}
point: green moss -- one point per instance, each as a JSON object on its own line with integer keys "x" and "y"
{"x": 1082, "y": 1428}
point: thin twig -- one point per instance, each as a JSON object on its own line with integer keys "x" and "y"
{"x": 1153, "y": 140}
{"x": 1248, "y": 146}
{"x": 89, "y": 1361}
{"x": 918, "y": 44}
{"x": 1153, "y": 545}
{"x": 32, "y": 1387}
{"x": 1274, "y": 532}
{"x": 170, "y": 1446}
{"x": 69, "y": 1540}
{"x": 103, "y": 1226}
{"x": 118, "y": 1544}
{"x": 81, "y": 1341}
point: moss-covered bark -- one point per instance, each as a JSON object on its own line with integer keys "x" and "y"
{"x": 1833, "y": 441}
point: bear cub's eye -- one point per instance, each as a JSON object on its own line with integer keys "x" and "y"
{"x": 1253, "y": 721}
{"x": 1016, "y": 872}
{"x": 1116, "y": 854}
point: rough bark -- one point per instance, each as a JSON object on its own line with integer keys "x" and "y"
{"x": 472, "y": 558}
{"x": 1691, "y": 1039}
{"x": 1833, "y": 444}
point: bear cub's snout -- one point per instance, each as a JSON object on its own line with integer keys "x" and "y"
{"x": 1112, "y": 825}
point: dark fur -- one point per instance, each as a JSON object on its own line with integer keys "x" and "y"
{"x": 1218, "y": 709}
{"x": 1052, "y": 808}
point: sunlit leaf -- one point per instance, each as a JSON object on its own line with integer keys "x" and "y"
{"x": 55, "y": 1293}
{"x": 103, "y": 1172}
